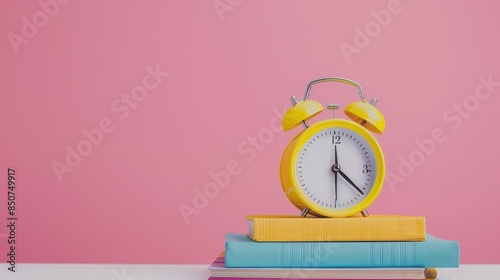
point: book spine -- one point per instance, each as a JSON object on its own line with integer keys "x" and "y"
{"x": 442, "y": 253}
{"x": 246, "y": 278}
{"x": 349, "y": 229}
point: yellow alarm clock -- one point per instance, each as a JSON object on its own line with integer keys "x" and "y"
{"x": 335, "y": 167}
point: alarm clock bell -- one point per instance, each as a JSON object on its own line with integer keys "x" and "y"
{"x": 362, "y": 112}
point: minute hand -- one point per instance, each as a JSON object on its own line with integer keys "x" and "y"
{"x": 350, "y": 181}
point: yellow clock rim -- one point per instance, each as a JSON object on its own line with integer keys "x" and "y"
{"x": 379, "y": 159}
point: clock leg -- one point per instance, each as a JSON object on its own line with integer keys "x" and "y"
{"x": 365, "y": 213}
{"x": 305, "y": 212}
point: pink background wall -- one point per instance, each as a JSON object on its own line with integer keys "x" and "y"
{"x": 69, "y": 68}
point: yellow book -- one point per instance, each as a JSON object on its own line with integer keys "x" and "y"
{"x": 357, "y": 228}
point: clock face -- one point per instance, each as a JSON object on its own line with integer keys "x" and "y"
{"x": 336, "y": 168}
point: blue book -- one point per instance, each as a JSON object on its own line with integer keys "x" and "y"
{"x": 241, "y": 251}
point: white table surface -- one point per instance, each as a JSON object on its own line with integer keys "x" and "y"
{"x": 183, "y": 272}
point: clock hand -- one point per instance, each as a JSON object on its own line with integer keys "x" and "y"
{"x": 336, "y": 160}
{"x": 335, "y": 174}
{"x": 350, "y": 181}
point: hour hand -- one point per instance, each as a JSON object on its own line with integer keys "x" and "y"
{"x": 350, "y": 181}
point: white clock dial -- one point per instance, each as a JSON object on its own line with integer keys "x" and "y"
{"x": 336, "y": 183}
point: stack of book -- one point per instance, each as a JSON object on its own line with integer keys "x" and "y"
{"x": 373, "y": 247}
